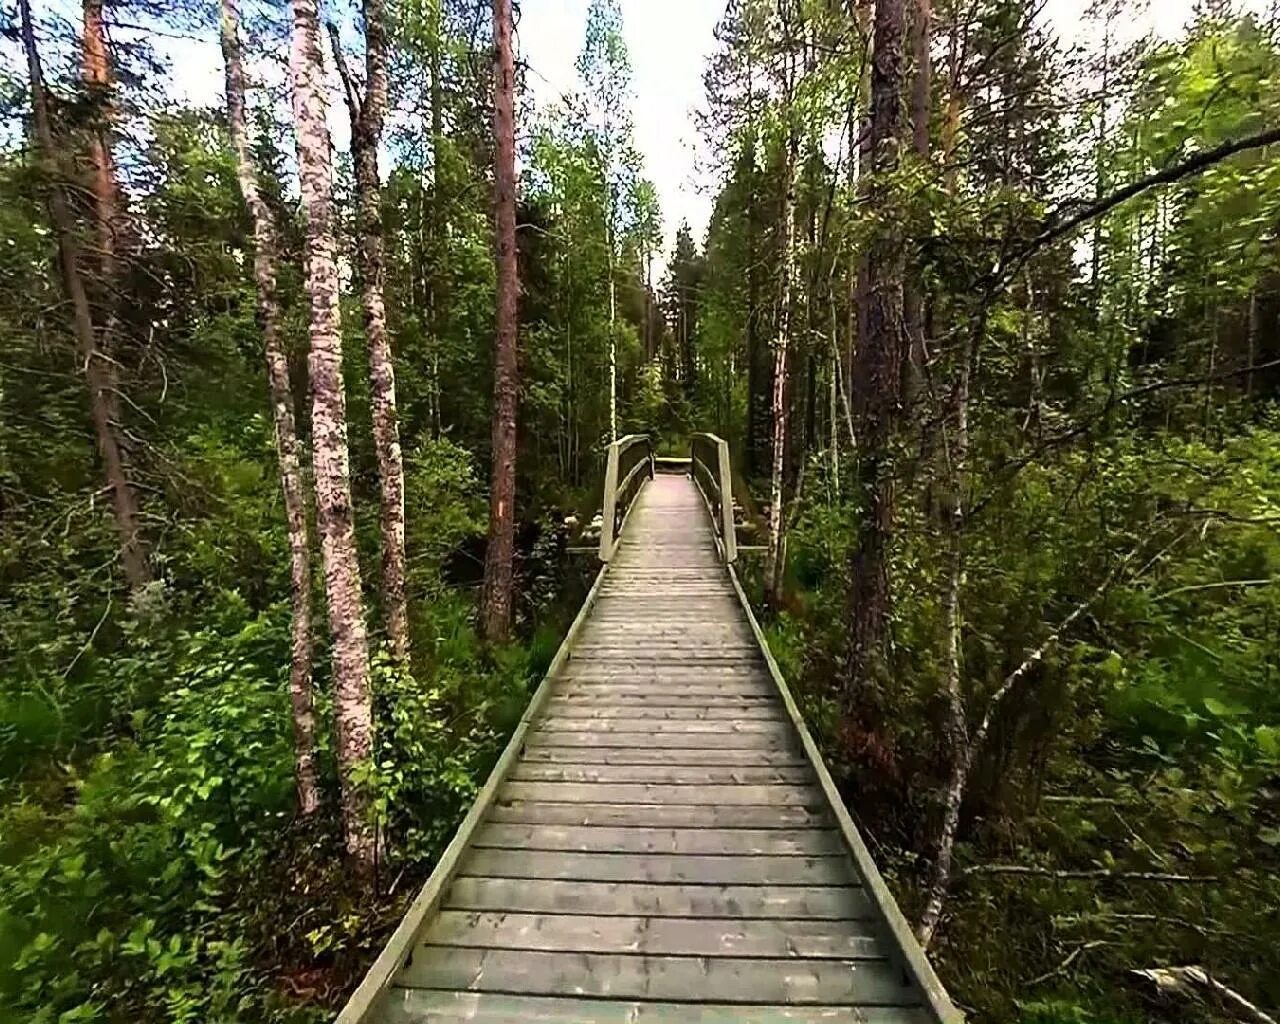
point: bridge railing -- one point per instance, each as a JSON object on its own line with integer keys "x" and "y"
{"x": 630, "y": 463}
{"x": 709, "y": 467}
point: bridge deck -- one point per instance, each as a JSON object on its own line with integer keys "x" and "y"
{"x": 661, "y": 849}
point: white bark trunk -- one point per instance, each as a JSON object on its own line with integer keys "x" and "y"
{"x": 265, "y": 263}
{"x": 775, "y": 567}
{"x": 353, "y": 706}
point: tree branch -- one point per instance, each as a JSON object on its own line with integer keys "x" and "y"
{"x": 1085, "y": 874}
{"x": 350, "y": 87}
{"x": 1055, "y": 228}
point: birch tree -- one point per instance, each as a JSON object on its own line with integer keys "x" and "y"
{"x": 353, "y": 706}
{"x": 367, "y": 108}
{"x": 775, "y": 567}
{"x": 266, "y": 259}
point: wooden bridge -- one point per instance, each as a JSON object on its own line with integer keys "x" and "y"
{"x": 660, "y": 841}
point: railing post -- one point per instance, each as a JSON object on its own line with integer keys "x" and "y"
{"x": 609, "y": 512}
{"x": 728, "y": 531}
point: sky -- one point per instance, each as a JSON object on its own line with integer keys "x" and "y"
{"x": 668, "y": 42}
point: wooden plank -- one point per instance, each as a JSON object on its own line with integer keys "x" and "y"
{"x": 663, "y": 755}
{"x": 658, "y": 815}
{"x": 677, "y": 775}
{"x": 418, "y": 1006}
{"x": 721, "y": 980}
{"x": 656, "y": 793}
{"x": 739, "y": 741}
{"x": 649, "y": 710}
{"x": 606, "y": 839}
{"x": 659, "y": 686}
{"x": 586, "y": 702}
{"x": 660, "y": 936}
{"x": 376, "y": 980}
{"x": 643, "y": 899}
{"x": 663, "y": 868}
{"x": 658, "y": 727}
{"x": 892, "y": 920}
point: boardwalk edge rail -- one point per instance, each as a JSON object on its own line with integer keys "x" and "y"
{"x": 402, "y": 941}
{"x": 892, "y": 921}
{"x": 722, "y": 526}
{"x": 610, "y": 527}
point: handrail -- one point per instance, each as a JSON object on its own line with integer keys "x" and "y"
{"x": 619, "y": 497}
{"x": 713, "y": 464}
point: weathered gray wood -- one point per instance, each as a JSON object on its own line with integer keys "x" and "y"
{"x": 640, "y": 839}
{"x": 656, "y": 793}
{"x": 664, "y": 755}
{"x": 642, "y": 899}
{"x": 894, "y": 924}
{"x": 660, "y": 936}
{"x": 665, "y": 868}
{"x": 657, "y": 689}
{"x": 721, "y": 980}
{"x": 369, "y": 992}
{"x": 657, "y": 727}
{"x": 417, "y": 1006}
{"x": 680, "y": 775}
{"x": 659, "y": 815}
{"x": 662, "y": 846}
{"x": 585, "y": 709}
{"x": 738, "y": 741}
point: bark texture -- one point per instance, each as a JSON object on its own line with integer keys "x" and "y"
{"x": 956, "y": 448}
{"x": 353, "y": 708}
{"x": 496, "y": 600}
{"x": 265, "y": 263}
{"x": 368, "y": 113}
{"x": 915, "y": 300}
{"x": 775, "y": 567}
{"x": 97, "y": 366}
{"x": 879, "y": 359}
{"x": 99, "y": 81}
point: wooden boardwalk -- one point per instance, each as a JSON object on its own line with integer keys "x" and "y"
{"x": 662, "y": 845}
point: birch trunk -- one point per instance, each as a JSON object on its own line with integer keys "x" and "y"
{"x": 957, "y": 732}
{"x": 775, "y": 566}
{"x": 368, "y": 116}
{"x": 878, "y": 367}
{"x": 353, "y": 706}
{"x": 496, "y": 600}
{"x": 265, "y": 263}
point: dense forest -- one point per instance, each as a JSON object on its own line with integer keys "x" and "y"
{"x": 304, "y": 397}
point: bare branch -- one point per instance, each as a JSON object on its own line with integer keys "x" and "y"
{"x": 350, "y": 87}
{"x": 1086, "y": 874}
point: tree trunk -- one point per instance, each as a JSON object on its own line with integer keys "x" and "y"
{"x": 97, "y": 75}
{"x": 353, "y": 706}
{"x": 496, "y": 600}
{"x": 878, "y": 367}
{"x": 914, "y": 292}
{"x": 265, "y": 263}
{"x": 775, "y": 567}
{"x": 957, "y": 731}
{"x": 759, "y": 368}
{"x": 99, "y": 371}
{"x": 861, "y": 297}
{"x": 368, "y": 115}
